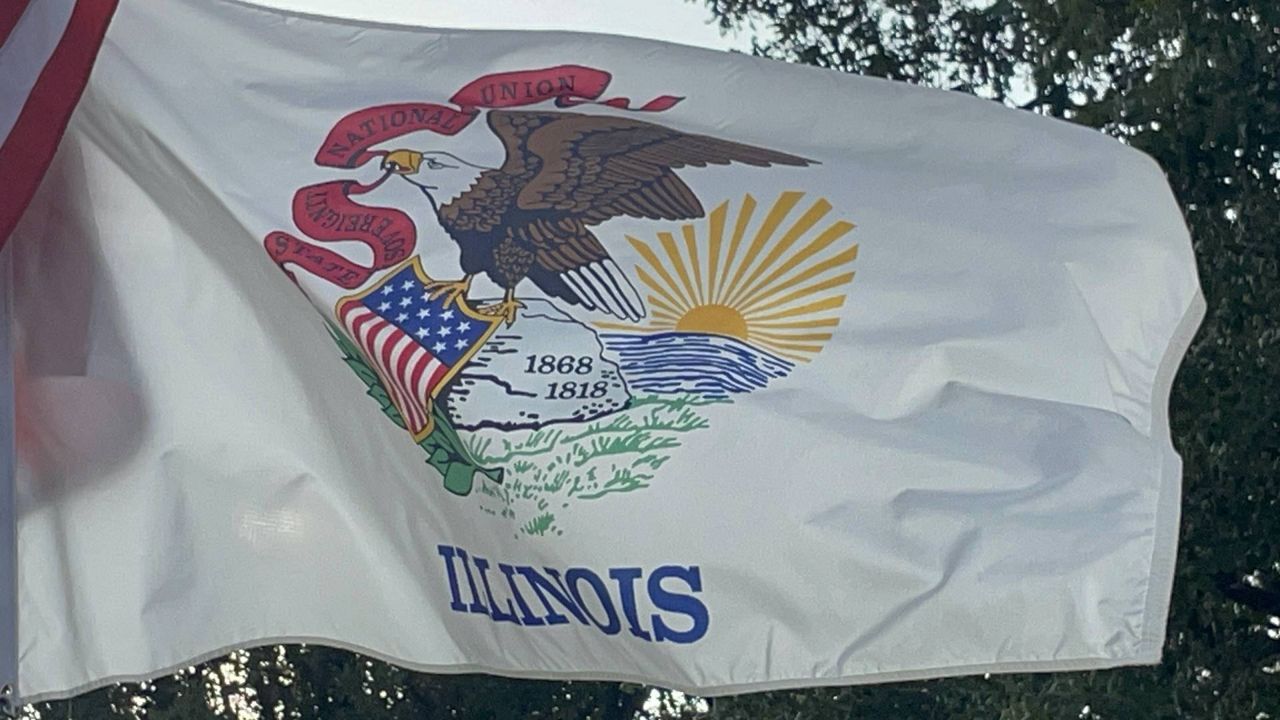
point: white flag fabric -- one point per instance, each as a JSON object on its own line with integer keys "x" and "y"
{"x": 572, "y": 356}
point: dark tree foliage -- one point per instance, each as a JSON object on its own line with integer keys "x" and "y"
{"x": 1194, "y": 83}
{"x": 318, "y": 683}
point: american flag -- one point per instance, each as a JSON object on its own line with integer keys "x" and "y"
{"x": 413, "y": 342}
{"x": 46, "y": 50}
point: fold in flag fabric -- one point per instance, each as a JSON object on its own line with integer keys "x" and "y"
{"x": 569, "y": 356}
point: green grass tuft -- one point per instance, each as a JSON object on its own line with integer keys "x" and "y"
{"x": 539, "y": 525}
{"x": 557, "y": 466}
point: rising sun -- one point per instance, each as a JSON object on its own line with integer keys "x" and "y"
{"x": 775, "y": 285}
{"x": 714, "y": 318}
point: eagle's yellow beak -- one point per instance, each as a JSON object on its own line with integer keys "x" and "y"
{"x": 402, "y": 162}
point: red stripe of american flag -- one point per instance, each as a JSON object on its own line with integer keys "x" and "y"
{"x": 27, "y": 150}
{"x": 408, "y": 371}
{"x": 9, "y": 14}
{"x": 374, "y": 332}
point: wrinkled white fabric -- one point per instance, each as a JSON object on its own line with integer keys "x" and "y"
{"x": 975, "y": 474}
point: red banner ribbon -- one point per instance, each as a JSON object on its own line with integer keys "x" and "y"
{"x": 348, "y": 143}
{"x": 326, "y": 212}
{"x": 567, "y": 84}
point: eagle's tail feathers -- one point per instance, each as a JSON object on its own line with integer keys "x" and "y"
{"x": 570, "y": 278}
{"x": 625, "y": 290}
{"x": 589, "y": 290}
{"x": 602, "y": 285}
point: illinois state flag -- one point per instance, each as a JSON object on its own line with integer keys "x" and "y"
{"x": 557, "y": 355}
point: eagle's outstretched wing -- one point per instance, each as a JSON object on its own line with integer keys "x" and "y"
{"x": 564, "y": 172}
{"x": 596, "y": 167}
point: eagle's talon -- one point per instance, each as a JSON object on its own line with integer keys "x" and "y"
{"x": 454, "y": 291}
{"x": 506, "y": 309}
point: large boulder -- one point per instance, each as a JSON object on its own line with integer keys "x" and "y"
{"x": 546, "y": 368}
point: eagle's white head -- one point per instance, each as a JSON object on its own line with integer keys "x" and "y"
{"x": 441, "y": 175}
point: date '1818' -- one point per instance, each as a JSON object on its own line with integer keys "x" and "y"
{"x": 570, "y": 365}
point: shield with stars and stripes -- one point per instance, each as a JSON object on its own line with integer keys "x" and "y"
{"x": 416, "y": 343}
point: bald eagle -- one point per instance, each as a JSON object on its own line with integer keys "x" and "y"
{"x": 563, "y": 174}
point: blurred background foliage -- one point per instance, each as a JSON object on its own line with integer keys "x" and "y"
{"x": 1194, "y": 83}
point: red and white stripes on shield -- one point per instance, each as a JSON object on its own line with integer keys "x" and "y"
{"x": 406, "y": 369}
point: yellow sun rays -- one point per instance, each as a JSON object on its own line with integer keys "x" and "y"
{"x": 776, "y": 286}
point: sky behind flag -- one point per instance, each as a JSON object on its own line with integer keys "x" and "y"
{"x": 677, "y": 21}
